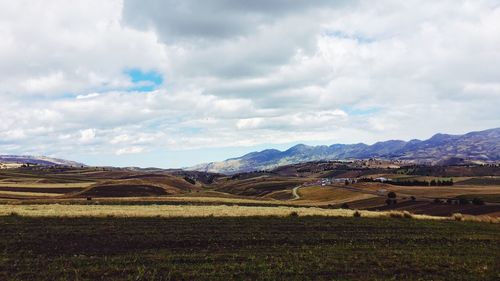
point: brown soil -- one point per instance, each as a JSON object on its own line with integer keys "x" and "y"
{"x": 124, "y": 191}
{"x": 442, "y": 209}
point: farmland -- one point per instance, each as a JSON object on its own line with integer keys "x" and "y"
{"x": 125, "y": 224}
{"x": 114, "y": 186}
{"x": 256, "y": 248}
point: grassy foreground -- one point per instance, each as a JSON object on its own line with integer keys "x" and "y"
{"x": 58, "y": 210}
{"x": 249, "y": 248}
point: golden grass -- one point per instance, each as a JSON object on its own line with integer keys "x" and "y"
{"x": 46, "y": 185}
{"x": 197, "y": 199}
{"x": 56, "y": 210}
{"x": 30, "y": 194}
{"x": 329, "y": 195}
{"x": 482, "y": 218}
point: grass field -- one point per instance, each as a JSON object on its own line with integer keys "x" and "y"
{"x": 118, "y": 210}
{"x": 27, "y": 194}
{"x": 318, "y": 195}
{"x": 252, "y": 248}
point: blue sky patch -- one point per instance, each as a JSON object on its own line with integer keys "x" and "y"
{"x": 357, "y": 111}
{"x": 144, "y": 81}
{"x": 339, "y": 34}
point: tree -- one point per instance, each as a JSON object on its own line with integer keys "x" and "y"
{"x": 463, "y": 201}
{"x": 438, "y": 201}
{"x": 190, "y": 180}
{"x": 391, "y": 195}
{"x": 477, "y": 201}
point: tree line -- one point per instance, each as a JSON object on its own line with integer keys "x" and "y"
{"x": 412, "y": 182}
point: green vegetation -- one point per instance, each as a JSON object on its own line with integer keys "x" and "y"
{"x": 286, "y": 248}
{"x": 414, "y": 182}
{"x": 492, "y": 198}
{"x": 482, "y": 181}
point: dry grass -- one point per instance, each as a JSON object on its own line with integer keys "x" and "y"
{"x": 56, "y": 210}
{"x": 198, "y": 199}
{"x": 457, "y": 217}
{"x": 398, "y": 214}
{"x": 329, "y": 195}
{"x": 46, "y": 185}
{"x": 29, "y": 194}
{"x": 487, "y": 219}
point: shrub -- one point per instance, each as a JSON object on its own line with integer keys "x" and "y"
{"x": 477, "y": 201}
{"x": 345, "y": 206}
{"x": 438, "y": 201}
{"x": 396, "y": 214}
{"x": 293, "y": 214}
{"x": 463, "y": 201}
{"x": 356, "y": 214}
{"x": 407, "y": 215}
{"x": 458, "y": 217}
{"x": 413, "y": 198}
{"x": 89, "y": 198}
{"x": 190, "y": 180}
{"x": 391, "y": 195}
{"x": 14, "y": 214}
{"x": 400, "y": 215}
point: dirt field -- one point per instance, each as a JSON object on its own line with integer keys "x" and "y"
{"x": 251, "y": 248}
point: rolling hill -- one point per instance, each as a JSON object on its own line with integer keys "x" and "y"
{"x": 482, "y": 146}
{"x": 38, "y": 160}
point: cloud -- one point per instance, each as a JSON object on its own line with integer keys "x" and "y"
{"x": 135, "y": 76}
{"x": 87, "y": 135}
{"x": 213, "y": 20}
{"x": 129, "y": 150}
{"x": 88, "y": 96}
{"x": 53, "y": 48}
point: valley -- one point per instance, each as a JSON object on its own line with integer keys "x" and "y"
{"x": 362, "y": 184}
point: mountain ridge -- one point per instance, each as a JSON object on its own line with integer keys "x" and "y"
{"x": 38, "y": 160}
{"x": 478, "y": 145}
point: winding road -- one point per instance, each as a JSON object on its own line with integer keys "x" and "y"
{"x": 295, "y": 193}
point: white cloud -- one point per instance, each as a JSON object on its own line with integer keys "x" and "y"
{"x": 243, "y": 73}
{"x": 89, "y": 96}
{"x": 129, "y": 150}
{"x": 87, "y": 135}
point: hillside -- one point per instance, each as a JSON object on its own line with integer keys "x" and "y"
{"x": 481, "y": 146}
{"x": 37, "y": 160}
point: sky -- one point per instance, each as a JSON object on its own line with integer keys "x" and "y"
{"x": 170, "y": 83}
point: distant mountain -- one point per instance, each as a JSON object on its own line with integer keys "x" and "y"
{"x": 482, "y": 146}
{"x": 38, "y": 160}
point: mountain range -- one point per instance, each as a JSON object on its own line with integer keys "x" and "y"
{"x": 481, "y": 146}
{"x": 38, "y": 160}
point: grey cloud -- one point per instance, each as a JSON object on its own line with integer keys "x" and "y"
{"x": 244, "y": 72}
{"x": 199, "y": 20}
